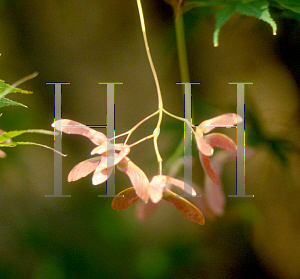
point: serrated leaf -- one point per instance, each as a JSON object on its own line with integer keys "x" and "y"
{"x": 13, "y": 144}
{"x": 258, "y": 9}
{"x": 221, "y": 17}
{"x": 9, "y": 135}
{"x": 190, "y": 211}
{"x": 129, "y": 198}
{"x": 6, "y": 88}
{"x": 293, "y": 5}
{"x": 4, "y": 102}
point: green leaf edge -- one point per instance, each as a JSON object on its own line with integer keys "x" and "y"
{"x": 288, "y": 6}
{"x": 11, "y": 134}
{"x": 264, "y": 13}
{"x": 221, "y": 17}
{"x": 12, "y": 88}
{"x": 4, "y": 102}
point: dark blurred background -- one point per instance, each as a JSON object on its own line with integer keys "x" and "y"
{"x": 87, "y": 42}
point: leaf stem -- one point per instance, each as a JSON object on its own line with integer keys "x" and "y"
{"x": 181, "y": 47}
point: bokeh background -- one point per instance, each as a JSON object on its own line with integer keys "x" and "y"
{"x": 86, "y": 42}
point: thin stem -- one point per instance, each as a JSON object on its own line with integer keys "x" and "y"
{"x": 160, "y": 102}
{"x": 118, "y": 136}
{"x": 129, "y": 132}
{"x": 184, "y": 73}
{"x": 141, "y": 140}
{"x": 142, "y": 121}
{"x": 179, "y": 118}
{"x": 138, "y": 124}
{"x": 174, "y": 116}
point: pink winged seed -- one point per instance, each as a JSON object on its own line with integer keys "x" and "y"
{"x": 117, "y": 157}
{"x": 213, "y": 193}
{"x": 180, "y": 184}
{"x": 203, "y": 146}
{"x": 227, "y": 119}
{"x": 129, "y": 198}
{"x": 219, "y": 140}
{"x": 156, "y": 188}
{"x": 158, "y": 185}
{"x": 215, "y": 198}
{"x": 103, "y": 148}
{"x": 205, "y": 161}
{"x": 144, "y": 210}
{"x": 185, "y": 207}
{"x": 84, "y": 168}
{"x": 73, "y": 127}
{"x": 102, "y": 172}
{"x": 137, "y": 177}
